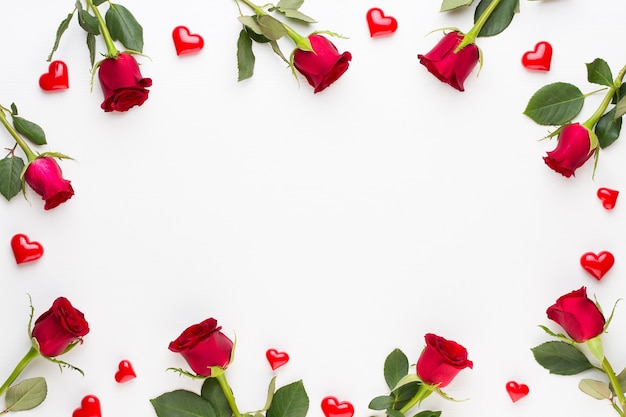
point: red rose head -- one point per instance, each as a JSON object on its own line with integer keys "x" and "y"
{"x": 122, "y": 83}
{"x": 203, "y": 345}
{"x": 572, "y": 150}
{"x": 59, "y": 328}
{"x": 44, "y": 176}
{"x": 451, "y": 68}
{"x": 322, "y": 66}
{"x": 577, "y": 315}
{"x": 441, "y": 360}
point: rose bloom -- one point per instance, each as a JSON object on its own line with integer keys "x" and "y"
{"x": 122, "y": 83}
{"x": 44, "y": 176}
{"x": 322, "y": 66}
{"x": 577, "y": 315}
{"x": 450, "y": 67}
{"x": 203, "y": 345}
{"x": 441, "y": 360}
{"x": 58, "y": 328}
{"x": 572, "y": 150}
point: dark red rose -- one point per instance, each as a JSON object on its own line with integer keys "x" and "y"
{"x": 450, "y": 67}
{"x": 44, "y": 176}
{"x": 572, "y": 150}
{"x": 58, "y": 328}
{"x": 577, "y": 315}
{"x": 203, "y": 345}
{"x": 441, "y": 360}
{"x": 322, "y": 66}
{"x": 122, "y": 83}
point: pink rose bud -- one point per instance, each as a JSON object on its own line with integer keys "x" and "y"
{"x": 122, "y": 83}
{"x": 44, "y": 176}
{"x": 441, "y": 360}
{"x": 59, "y": 328}
{"x": 572, "y": 150}
{"x": 577, "y": 315}
{"x": 322, "y": 66}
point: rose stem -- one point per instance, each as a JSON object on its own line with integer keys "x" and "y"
{"x": 228, "y": 393}
{"x": 470, "y": 36}
{"x": 424, "y": 391}
{"x": 608, "y": 370}
{"x": 29, "y": 153}
{"x": 112, "y": 51}
{"x": 590, "y": 123}
{"x": 32, "y": 354}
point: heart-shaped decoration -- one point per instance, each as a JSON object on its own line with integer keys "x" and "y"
{"x": 379, "y": 24}
{"x": 56, "y": 78}
{"x": 25, "y": 250}
{"x": 125, "y": 372}
{"x": 185, "y": 42}
{"x": 335, "y": 408}
{"x": 608, "y": 197}
{"x": 540, "y": 58}
{"x": 516, "y": 391}
{"x": 276, "y": 358}
{"x": 597, "y": 265}
{"x": 89, "y": 407}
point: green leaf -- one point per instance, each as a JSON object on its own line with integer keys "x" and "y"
{"x": 620, "y": 107}
{"x": 289, "y": 401}
{"x": 596, "y": 389}
{"x": 245, "y": 56}
{"x": 394, "y": 413}
{"x": 91, "y": 45}
{"x": 598, "y": 72}
{"x": 289, "y": 4}
{"x": 561, "y": 358}
{"x": 13, "y": 109}
{"x": 428, "y": 413}
{"x": 26, "y": 395}
{"x": 555, "y": 104}
{"x": 619, "y": 94}
{"x": 499, "y": 20}
{"x": 65, "y": 23}
{"x": 381, "y": 402}
{"x": 272, "y": 28}
{"x": 608, "y": 128}
{"x": 88, "y": 22}
{"x": 31, "y": 131}
{"x": 181, "y": 403}
{"x": 99, "y": 2}
{"x": 396, "y": 367}
{"x": 212, "y": 392}
{"x": 404, "y": 394}
{"x": 453, "y": 4}
{"x": 297, "y": 15}
{"x": 270, "y": 394}
{"x": 124, "y": 27}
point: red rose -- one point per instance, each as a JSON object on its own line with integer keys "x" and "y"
{"x": 122, "y": 83}
{"x": 44, "y": 176}
{"x": 450, "y": 67}
{"x": 441, "y": 360}
{"x": 203, "y": 345}
{"x": 59, "y": 328}
{"x": 572, "y": 150}
{"x": 577, "y": 315}
{"x": 322, "y": 66}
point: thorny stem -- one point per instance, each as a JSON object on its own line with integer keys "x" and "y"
{"x": 471, "y": 36}
{"x": 20, "y": 141}
{"x": 608, "y": 370}
{"x": 112, "y": 51}
{"x": 32, "y": 354}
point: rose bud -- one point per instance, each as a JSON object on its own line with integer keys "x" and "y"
{"x": 203, "y": 346}
{"x": 441, "y": 360}
{"x": 59, "y": 328}
{"x": 577, "y": 315}
{"x": 322, "y": 66}
{"x": 572, "y": 150}
{"x": 44, "y": 176}
{"x": 449, "y": 66}
{"x": 122, "y": 83}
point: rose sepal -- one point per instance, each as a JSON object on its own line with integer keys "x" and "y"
{"x": 186, "y": 373}
{"x": 595, "y": 348}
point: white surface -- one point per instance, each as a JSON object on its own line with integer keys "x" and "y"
{"x": 335, "y": 227}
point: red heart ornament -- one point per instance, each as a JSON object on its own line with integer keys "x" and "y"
{"x": 89, "y": 407}
{"x": 597, "y": 265}
{"x": 276, "y": 358}
{"x": 25, "y": 250}
{"x": 335, "y": 408}
{"x": 56, "y": 78}
{"x": 608, "y": 197}
{"x": 186, "y": 43}
{"x": 540, "y": 58}
{"x": 379, "y": 24}
{"x": 125, "y": 372}
{"x": 516, "y": 391}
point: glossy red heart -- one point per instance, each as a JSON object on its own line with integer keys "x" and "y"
{"x": 185, "y": 42}
{"x": 125, "y": 372}
{"x": 56, "y": 78}
{"x": 516, "y": 391}
{"x": 379, "y": 24}
{"x": 335, "y": 408}
{"x": 608, "y": 197}
{"x": 89, "y": 407}
{"x": 597, "y": 265}
{"x": 25, "y": 250}
{"x": 540, "y": 58}
{"x": 276, "y": 358}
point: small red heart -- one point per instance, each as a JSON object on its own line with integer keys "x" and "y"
{"x": 89, "y": 407}
{"x": 125, "y": 372}
{"x": 597, "y": 265}
{"x": 516, "y": 391}
{"x": 25, "y": 250}
{"x": 186, "y": 43}
{"x": 540, "y": 58}
{"x": 608, "y": 197}
{"x": 334, "y": 408}
{"x": 56, "y": 78}
{"x": 276, "y": 358}
{"x": 379, "y": 24}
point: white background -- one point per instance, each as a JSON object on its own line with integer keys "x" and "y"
{"x": 335, "y": 227}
